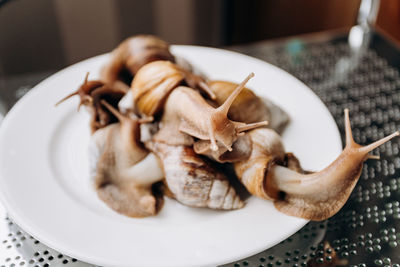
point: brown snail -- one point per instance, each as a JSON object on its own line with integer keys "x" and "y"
{"x": 131, "y": 55}
{"x": 314, "y": 196}
{"x": 194, "y": 117}
{"x": 91, "y": 93}
{"x": 117, "y": 168}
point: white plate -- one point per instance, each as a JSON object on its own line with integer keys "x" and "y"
{"x": 44, "y": 181}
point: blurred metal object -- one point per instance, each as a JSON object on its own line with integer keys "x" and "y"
{"x": 359, "y": 38}
{"x": 368, "y": 12}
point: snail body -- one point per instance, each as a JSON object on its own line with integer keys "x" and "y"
{"x": 318, "y": 196}
{"x": 117, "y": 168}
{"x": 156, "y": 80}
{"x": 194, "y": 117}
{"x": 314, "y": 196}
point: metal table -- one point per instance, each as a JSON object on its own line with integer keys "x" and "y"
{"x": 366, "y": 232}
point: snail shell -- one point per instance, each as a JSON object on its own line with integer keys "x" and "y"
{"x": 152, "y": 85}
{"x": 267, "y": 148}
{"x": 155, "y": 81}
{"x": 131, "y": 55}
{"x": 194, "y": 181}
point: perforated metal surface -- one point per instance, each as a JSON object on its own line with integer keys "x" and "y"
{"x": 366, "y": 231}
{"x": 17, "y": 248}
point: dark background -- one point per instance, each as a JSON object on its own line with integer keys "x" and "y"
{"x": 44, "y": 35}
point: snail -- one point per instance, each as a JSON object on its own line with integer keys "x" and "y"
{"x": 154, "y": 82}
{"x": 118, "y": 163}
{"x": 248, "y": 107}
{"x": 131, "y": 55}
{"x": 194, "y": 181}
{"x": 314, "y": 196}
{"x": 91, "y": 93}
{"x": 194, "y": 117}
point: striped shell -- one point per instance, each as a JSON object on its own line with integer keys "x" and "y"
{"x": 194, "y": 181}
{"x": 267, "y": 148}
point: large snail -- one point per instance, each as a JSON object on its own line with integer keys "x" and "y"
{"x": 122, "y": 168}
{"x": 313, "y": 196}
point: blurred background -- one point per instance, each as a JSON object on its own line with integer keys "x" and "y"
{"x": 40, "y": 37}
{"x": 50, "y": 34}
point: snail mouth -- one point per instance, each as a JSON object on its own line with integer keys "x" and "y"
{"x": 157, "y": 190}
{"x": 281, "y": 195}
